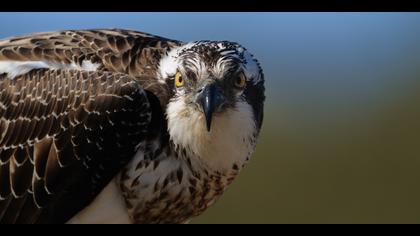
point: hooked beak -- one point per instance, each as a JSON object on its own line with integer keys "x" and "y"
{"x": 210, "y": 98}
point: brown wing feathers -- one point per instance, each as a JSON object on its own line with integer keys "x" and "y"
{"x": 124, "y": 51}
{"x": 64, "y": 135}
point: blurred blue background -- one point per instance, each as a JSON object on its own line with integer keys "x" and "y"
{"x": 341, "y": 137}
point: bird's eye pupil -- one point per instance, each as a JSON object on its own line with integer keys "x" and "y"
{"x": 240, "y": 81}
{"x": 179, "y": 82}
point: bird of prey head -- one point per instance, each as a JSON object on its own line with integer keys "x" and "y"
{"x": 120, "y": 126}
{"x": 218, "y": 95}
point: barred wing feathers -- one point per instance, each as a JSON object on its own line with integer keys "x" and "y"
{"x": 63, "y": 136}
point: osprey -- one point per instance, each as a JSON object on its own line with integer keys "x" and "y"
{"x": 119, "y": 126}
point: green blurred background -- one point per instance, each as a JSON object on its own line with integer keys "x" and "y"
{"x": 341, "y": 136}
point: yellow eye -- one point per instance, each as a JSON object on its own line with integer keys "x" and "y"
{"x": 179, "y": 81}
{"x": 240, "y": 81}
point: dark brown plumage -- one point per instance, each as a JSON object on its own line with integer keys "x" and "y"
{"x": 59, "y": 134}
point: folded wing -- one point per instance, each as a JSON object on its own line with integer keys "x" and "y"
{"x": 64, "y": 134}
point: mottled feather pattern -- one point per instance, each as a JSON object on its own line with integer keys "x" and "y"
{"x": 57, "y": 126}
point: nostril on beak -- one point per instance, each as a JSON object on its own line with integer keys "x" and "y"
{"x": 200, "y": 90}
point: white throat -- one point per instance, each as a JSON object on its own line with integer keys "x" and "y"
{"x": 230, "y": 141}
